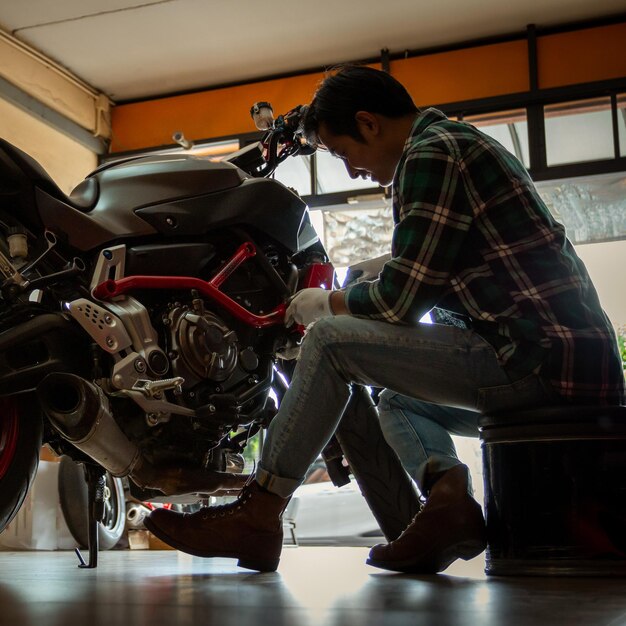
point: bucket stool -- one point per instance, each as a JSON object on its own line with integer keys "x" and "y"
{"x": 555, "y": 491}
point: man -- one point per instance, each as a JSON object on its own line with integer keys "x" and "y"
{"x": 472, "y": 237}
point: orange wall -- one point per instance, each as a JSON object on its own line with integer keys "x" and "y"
{"x": 214, "y": 113}
{"x": 582, "y": 56}
{"x": 472, "y": 73}
{"x": 467, "y": 74}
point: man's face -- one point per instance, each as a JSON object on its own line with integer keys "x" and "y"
{"x": 366, "y": 159}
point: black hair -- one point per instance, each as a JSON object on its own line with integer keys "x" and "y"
{"x": 353, "y": 88}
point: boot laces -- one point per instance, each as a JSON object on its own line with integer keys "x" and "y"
{"x": 221, "y": 510}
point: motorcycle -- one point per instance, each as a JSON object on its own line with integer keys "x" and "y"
{"x": 142, "y": 326}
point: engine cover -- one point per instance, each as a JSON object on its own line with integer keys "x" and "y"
{"x": 204, "y": 347}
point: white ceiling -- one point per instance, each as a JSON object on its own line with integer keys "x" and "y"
{"x": 141, "y": 48}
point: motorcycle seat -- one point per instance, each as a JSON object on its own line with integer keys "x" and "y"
{"x": 83, "y": 197}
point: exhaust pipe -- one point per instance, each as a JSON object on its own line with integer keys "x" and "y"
{"x": 135, "y": 514}
{"x": 80, "y": 412}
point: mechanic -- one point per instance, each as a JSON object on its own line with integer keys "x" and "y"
{"x": 473, "y": 237}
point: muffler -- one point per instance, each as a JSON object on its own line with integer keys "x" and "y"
{"x": 80, "y": 412}
{"x": 135, "y": 514}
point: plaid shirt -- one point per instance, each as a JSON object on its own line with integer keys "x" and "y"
{"x": 472, "y": 236}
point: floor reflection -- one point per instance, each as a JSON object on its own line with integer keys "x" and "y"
{"x": 313, "y": 587}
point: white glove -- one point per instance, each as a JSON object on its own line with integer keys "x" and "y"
{"x": 307, "y": 306}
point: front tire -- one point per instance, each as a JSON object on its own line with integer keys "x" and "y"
{"x": 21, "y": 435}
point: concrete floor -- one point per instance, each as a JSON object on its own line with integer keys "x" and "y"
{"x": 312, "y": 587}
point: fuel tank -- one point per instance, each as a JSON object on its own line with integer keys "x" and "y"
{"x": 172, "y": 195}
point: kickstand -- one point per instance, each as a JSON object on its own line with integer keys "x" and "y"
{"x": 95, "y": 477}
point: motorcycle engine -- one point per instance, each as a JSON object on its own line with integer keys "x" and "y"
{"x": 202, "y": 345}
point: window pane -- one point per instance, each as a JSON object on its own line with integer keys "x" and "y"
{"x": 353, "y": 236}
{"x": 579, "y": 131}
{"x": 592, "y": 208}
{"x": 295, "y": 172}
{"x": 332, "y": 175}
{"x": 509, "y": 128}
{"x": 621, "y": 123}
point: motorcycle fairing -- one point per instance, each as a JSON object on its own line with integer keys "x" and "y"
{"x": 172, "y": 259}
{"x": 85, "y": 231}
{"x": 264, "y": 204}
{"x": 122, "y": 189}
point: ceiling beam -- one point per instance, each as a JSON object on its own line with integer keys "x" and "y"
{"x": 37, "y": 79}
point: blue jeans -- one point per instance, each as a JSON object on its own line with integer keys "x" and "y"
{"x": 420, "y": 432}
{"x": 436, "y": 364}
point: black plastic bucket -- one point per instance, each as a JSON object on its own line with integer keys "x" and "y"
{"x": 555, "y": 491}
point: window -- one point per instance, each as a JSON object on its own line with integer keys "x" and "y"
{"x": 295, "y": 172}
{"x": 592, "y": 208}
{"x": 579, "y": 131}
{"x": 356, "y": 235}
{"x": 510, "y": 128}
{"x": 332, "y": 175}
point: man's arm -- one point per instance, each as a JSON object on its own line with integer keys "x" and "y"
{"x": 434, "y": 219}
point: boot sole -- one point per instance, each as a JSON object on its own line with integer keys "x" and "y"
{"x": 434, "y": 562}
{"x": 260, "y": 565}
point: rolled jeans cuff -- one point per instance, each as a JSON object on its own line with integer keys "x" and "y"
{"x": 283, "y": 487}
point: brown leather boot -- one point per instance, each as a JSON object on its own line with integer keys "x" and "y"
{"x": 449, "y": 526}
{"x": 249, "y": 529}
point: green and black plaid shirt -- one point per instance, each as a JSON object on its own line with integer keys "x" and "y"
{"x": 473, "y": 236}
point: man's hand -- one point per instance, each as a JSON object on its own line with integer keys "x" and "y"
{"x": 307, "y": 306}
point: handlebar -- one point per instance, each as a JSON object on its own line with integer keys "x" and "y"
{"x": 283, "y": 138}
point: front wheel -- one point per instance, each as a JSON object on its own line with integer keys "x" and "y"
{"x": 21, "y": 435}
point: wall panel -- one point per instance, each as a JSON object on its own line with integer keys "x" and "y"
{"x": 66, "y": 161}
{"x": 214, "y": 113}
{"x": 582, "y": 56}
{"x": 467, "y": 74}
